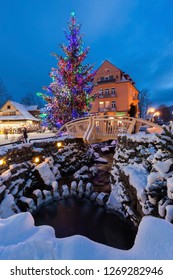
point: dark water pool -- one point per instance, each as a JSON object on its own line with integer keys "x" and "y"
{"x": 81, "y": 216}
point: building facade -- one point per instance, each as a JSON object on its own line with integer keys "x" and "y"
{"x": 114, "y": 91}
{"x": 14, "y": 116}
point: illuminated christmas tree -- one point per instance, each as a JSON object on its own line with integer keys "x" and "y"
{"x": 68, "y": 95}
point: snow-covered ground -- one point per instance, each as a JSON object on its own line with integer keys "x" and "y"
{"x": 26, "y": 241}
{"x": 21, "y": 239}
{"x": 32, "y": 135}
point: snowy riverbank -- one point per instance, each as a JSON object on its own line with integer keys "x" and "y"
{"x": 25, "y": 241}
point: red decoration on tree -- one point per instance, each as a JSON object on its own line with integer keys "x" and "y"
{"x": 68, "y": 96}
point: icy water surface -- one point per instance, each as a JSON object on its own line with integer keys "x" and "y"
{"x": 81, "y": 216}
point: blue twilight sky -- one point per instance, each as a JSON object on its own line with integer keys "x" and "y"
{"x": 134, "y": 35}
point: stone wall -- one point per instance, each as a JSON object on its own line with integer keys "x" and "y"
{"x": 141, "y": 177}
{"x": 61, "y": 173}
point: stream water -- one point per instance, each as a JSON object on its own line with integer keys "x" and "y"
{"x": 73, "y": 216}
{"x": 81, "y": 216}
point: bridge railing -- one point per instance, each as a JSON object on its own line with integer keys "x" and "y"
{"x": 104, "y": 128}
{"x": 76, "y": 128}
{"x": 101, "y": 128}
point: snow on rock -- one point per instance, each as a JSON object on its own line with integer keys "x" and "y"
{"x": 101, "y": 160}
{"x": 80, "y": 189}
{"x": 48, "y": 196}
{"x": 93, "y": 196}
{"x": 96, "y": 155}
{"x": 39, "y": 196}
{"x": 89, "y": 189}
{"x": 5, "y": 176}
{"x": 65, "y": 191}
{"x": 102, "y": 198}
{"x": 169, "y": 213}
{"x": 78, "y": 174}
{"x": 2, "y": 188}
{"x": 163, "y": 167}
{"x": 137, "y": 178}
{"x": 29, "y": 202}
{"x": 84, "y": 169}
{"x": 152, "y": 177}
{"x": 49, "y": 160}
{"x": 93, "y": 170}
{"x": 73, "y": 189}
{"x": 28, "y": 242}
{"x": 56, "y": 193}
{"x": 105, "y": 149}
{"x": 116, "y": 197}
{"x": 170, "y": 187}
{"x": 45, "y": 173}
{"x": 56, "y": 172}
{"x": 8, "y": 206}
{"x": 162, "y": 207}
{"x": 55, "y": 186}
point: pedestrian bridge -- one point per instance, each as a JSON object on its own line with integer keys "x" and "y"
{"x": 95, "y": 129}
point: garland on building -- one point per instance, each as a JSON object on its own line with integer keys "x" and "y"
{"x": 68, "y": 95}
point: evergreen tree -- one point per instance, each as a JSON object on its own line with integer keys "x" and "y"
{"x": 4, "y": 95}
{"x": 133, "y": 110}
{"x": 68, "y": 95}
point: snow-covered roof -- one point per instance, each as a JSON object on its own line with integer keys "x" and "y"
{"x": 32, "y": 107}
{"x": 25, "y": 115}
{"x": 123, "y": 79}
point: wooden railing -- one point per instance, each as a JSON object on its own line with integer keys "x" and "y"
{"x": 101, "y": 128}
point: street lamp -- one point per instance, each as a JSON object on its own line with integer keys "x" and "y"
{"x": 150, "y": 113}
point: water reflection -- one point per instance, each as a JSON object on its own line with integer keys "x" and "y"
{"x": 81, "y": 216}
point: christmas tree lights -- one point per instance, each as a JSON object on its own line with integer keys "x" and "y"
{"x": 68, "y": 95}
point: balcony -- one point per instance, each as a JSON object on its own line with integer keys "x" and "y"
{"x": 135, "y": 98}
{"x": 107, "y": 109}
{"x": 112, "y": 80}
{"x": 107, "y": 95}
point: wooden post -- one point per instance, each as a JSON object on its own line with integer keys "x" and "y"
{"x": 131, "y": 128}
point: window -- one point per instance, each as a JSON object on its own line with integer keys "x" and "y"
{"x": 107, "y": 104}
{"x": 113, "y": 91}
{"x": 12, "y": 113}
{"x": 106, "y": 78}
{"x": 116, "y": 76}
{"x": 101, "y": 106}
{"x": 111, "y": 77}
{"x": 113, "y": 105}
{"x": 8, "y": 107}
{"x": 102, "y": 79}
{"x": 101, "y": 92}
{"x": 107, "y": 91}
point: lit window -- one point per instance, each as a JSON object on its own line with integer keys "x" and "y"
{"x": 107, "y": 104}
{"x": 101, "y": 106}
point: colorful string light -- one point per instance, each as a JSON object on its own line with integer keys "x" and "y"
{"x": 68, "y": 95}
